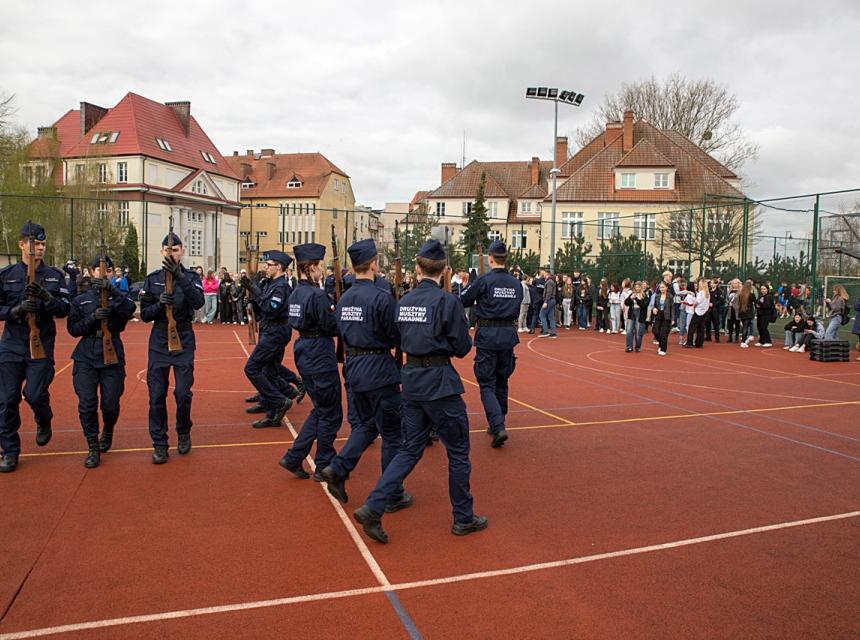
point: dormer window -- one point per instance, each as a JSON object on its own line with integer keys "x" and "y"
{"x": 208, "y": 157}
{"x": 248, "y": 185}
{"x": 163, "y": 144}
{"x": 199, "y": 186}
{"x": 294, "y": 183}
{"x": 104, "y": 137}
{"x": 628, "y": 180}
{"x": 661, "y": 180}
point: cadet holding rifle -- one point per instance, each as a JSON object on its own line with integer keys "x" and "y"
{"x": 97, "y": 317}
{"x": 32, "y": 294}
{"x": 168, "y": 299}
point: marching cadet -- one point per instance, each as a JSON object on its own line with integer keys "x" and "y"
{"x": 497, "y": 296}
{"x": 311, "y": 313}
{"x": 47, "y": 298}
{"x": 186, "y": 298}
{"x": 432, "y": 329}
{"x": 91, "y": 377}
{"x": 262, "y": 367}
{"x": 365, "y": 317}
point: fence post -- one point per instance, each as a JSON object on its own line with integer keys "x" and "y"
{"x": 702, "y": 241}
{"x": 690, "y": 246}
{"x": 815, "y": 250}
{"x": 745, "y": 240}
{"x": 71, "y": 228}
{"x": 662, "y": 242}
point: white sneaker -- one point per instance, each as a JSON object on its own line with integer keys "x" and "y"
{"x": 661, "y": 353}
{"x": 793, "y": 349}
{"x": 744, "y": 345}
{"x": 750, "y": 339}
{"x": 802, "y": 349}
{"x": 655, "y": 342}
{"x": 767, "y": 345}
{"x": 521, "y": 330}
{"x": 788, "y": 348}
{"x": 675, "y": 330}
{"x": 623, "y": 332}
{"x": 758, "y": 344}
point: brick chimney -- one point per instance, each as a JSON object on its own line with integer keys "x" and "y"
{"x": 449, "y": 170}
{"x": 182, "y": 109}
{"x": 267, "y": 153}
{"x": 249, "y": 153}
{"x": 270, "y": 169}
{"x": 534, "y": 171}
{"x": 48, "y": 132}
{"x": 90, "y": 115}
{"x": 613, "y": 132}
{"x": 246, "y": 169}
{"x": 627, "y": 140}
{"x": 560, "y": 150}
{"x": 235, "y": 154}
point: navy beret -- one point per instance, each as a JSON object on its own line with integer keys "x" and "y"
{"x": 432, "y": 250}
{"x": 34, "y": 229}
{"x": 498, "y": 248}
{"x": 278, "y": 256}
{"x": 176, "y": 240}
{"x": 310, "y": 252}
{"x": 362, "y": 251}
{"x": 95, "y": 262}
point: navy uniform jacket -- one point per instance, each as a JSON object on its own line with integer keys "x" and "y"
{"x": 15, "y": 342}
{"x": 312, "y": 311}
{"x": 82, "y": 324}
{"x": 497, "y": 296}
{"x": 272, "y": 301}
{"x": 330, "y": 284}
{"x": 365, "y": 317}
{"x": 187, "y": 298}
{"x": 432, "y": 323}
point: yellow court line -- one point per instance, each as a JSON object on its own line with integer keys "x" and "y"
{"x": 526, "y": 405}
{"x": 69, "y": 364}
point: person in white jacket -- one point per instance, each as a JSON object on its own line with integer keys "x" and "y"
{"x": 522, "y": 321}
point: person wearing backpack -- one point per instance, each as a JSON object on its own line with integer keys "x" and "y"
{"x": 838, "y": 316}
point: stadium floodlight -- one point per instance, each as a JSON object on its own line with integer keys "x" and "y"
{"x": 555, "y": 95}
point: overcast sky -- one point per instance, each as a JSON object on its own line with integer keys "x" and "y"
{"x": 386, "y": 89}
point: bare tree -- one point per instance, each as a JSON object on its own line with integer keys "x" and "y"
{"x": 717, "y": 236}
{"x": 702, "y": 110}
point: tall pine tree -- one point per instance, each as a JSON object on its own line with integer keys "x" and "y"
{"x": 130, "y": 254}
{"x": 477, "y": 224}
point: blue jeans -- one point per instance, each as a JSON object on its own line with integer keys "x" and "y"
{"x": 832, "y": 332}
{"x": 582, "y": 315}
{"x": 635, "y": 330}
{"x": 547, "y": 318}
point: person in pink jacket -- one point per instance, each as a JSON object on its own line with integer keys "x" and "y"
{"x": 210, "y": 294}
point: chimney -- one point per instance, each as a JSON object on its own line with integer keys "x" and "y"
{"x": 270, "y": 169}
{"x": 235, "y": 154}
{"x": 48, "y": 132}
{"x": 627, "y": 140}
{"x": 449, "y": 170}
{"x": 246, "y": 169}
{"x": 613, "y": 132}
{"x": 90, "y": 115}
{"x": 534, "y": 170}
{"x": 249, "y": 153}
{"x": 560, "y": 150}
{"x": 267, "y": 153}
{"x": 182, "y": 109}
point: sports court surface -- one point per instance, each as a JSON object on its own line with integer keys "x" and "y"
{"x": 708, "y": 494}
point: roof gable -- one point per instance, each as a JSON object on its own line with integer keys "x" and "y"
{"x": 271, "y": 174}
{"x": 644, "y": 154}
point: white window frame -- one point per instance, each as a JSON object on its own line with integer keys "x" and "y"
{"x": 679, "y": 266}
{"x": 645, "y": 226}
{"x": 493, "y": 235}
{"x": 525, "y": 206}
{"x": 467, "y": 207}
{"x": 679, "y": 226}
{"x": 122, "y": 212}
{"x": 163, "y": 144}
{"x": 608, "y": 225}
{"x": 661, "y": 180}
{"x": 572, "y": 223}
{"x": 121, "y": 172}
{"x": 493, "y": 209}
{"x": 249, "y": 185}
{"x": 440, "y": 209}
{"x": 519, "y": 238}
{"x": 80, "y": 173}
{"x": 294, "y": 184}
{"x": 628, "y": 180}
{"x": 103, "y": 173}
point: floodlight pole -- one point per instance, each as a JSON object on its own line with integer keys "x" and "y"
{"x": 554, "y": 173}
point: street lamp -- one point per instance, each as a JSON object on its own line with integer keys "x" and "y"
{"x": 567, "y": 97}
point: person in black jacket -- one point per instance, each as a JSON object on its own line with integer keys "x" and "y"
{"x": 637, "y": 315}
{"x": 765, "y": 314}
{"x": 715, "y": 313}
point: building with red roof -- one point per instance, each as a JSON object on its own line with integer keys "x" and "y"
{"x": 147, "y": 162}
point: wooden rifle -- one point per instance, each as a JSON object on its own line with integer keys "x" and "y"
{"x": 338, "y": 286}
{"x": 398, "y": 285}
{"x": 249, "y": 296}
{"x": 446, "y": 275}
{"x": 108, "y": 351}
{"x": 480, "y": 260}
{"x": 37, "y": 349}
{"x": 174, "y": 344}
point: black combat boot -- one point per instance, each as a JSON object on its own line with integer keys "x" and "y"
{"x": 107, "y": 438}
{"x": 159, "y": 455}
{"x": 253, "y": 398}
{"x": 9, "y": 462}
{"x": 257, "y": 408}
{"x": 94, "y": 455}
{"x": 43, "y": 433}
{"x": 183, "y": 444}
{"x": 300, "y": 387}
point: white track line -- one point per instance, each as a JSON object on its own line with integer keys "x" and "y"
{"x": 331, "y": 595}
{"x": 350, "y": 527}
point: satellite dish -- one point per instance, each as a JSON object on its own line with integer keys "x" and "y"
{"x": 707, "y": 135}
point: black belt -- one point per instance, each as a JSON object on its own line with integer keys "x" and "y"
{"x": 483, "y": 322}
{"x": 427, "y": 361}
{"x": 311, "y": 334}
{"x": 356, "y": 351}
{"x": 180, "y": 326}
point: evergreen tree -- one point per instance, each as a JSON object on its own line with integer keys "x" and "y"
{"x": 477, "y": 224}
{"x": 623, "y": 258}
{"x": 573, "y": 256}
{"x": 130, "y": 256}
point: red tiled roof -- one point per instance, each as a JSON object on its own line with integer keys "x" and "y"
{"x": 704, "y": 157}
{"x": 534, "y": 191}
{"x": 417, "y": 198}
{"x": 312, "y": 169}
{"x": 644, "y": 154}
{"x": 575, "y": 162}
{"x": 594, "y": 181}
